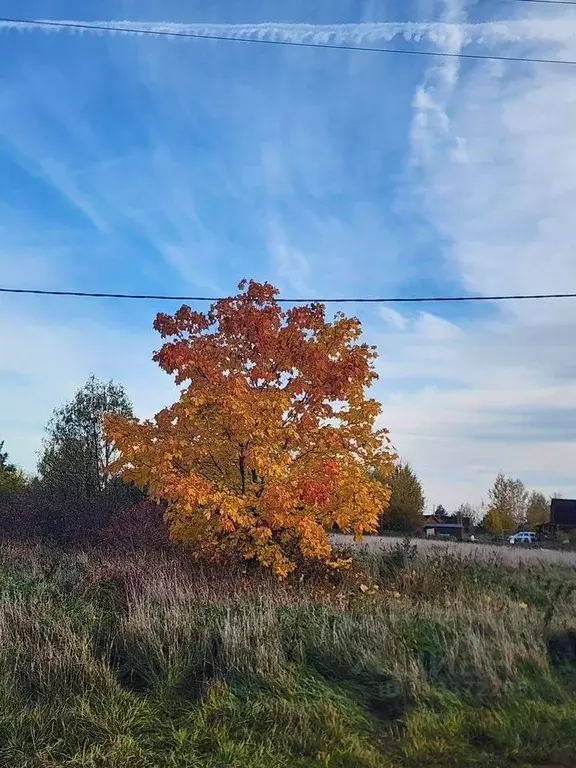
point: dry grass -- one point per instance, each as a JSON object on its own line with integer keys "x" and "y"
{"x": 150, "y": 660}
{"x": 511, "y": 555}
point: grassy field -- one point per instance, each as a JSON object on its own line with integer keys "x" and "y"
{"x": 514, "y": 554}
{"x": 148, "y": 660}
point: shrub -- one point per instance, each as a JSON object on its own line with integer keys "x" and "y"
{"x": 136, "y": 526}
{"x": 120, "y": 519}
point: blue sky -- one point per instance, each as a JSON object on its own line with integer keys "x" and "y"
{"x": 147, "y": 164}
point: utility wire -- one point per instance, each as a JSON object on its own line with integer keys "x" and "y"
{"x": 290, "y": 43}
{"x": 340, "y": 300}
{"x": 548, "y": 2}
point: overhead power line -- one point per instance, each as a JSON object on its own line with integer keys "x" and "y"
{"x": 548, "y": 2}
{"x": 288, "y": 43}
{"x": 337, "y": 300}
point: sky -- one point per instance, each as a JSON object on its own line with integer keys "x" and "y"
{"x": 168, "y": 165}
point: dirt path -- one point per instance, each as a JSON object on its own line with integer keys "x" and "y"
{"x": 513, "y": 554}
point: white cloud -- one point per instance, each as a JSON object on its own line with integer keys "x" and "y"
{"x": 464, "y": 402}
{"x": 290, "y": 262}
{"x": 42, "y": 364}
{"x": 449, "y": 34}
{"x": 392, "y": 317}
{"x": 148, "y": 189}
{"x": 497, "y": 174}
{"x": 431, "y": 124}
{"x": 494, "y": 161}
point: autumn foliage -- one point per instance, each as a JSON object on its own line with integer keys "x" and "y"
{"x": 273, "y": 440}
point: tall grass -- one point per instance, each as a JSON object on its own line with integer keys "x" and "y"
{"x": 151, "y": 660}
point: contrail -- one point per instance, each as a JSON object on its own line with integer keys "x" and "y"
{"x": 438, "y": 33}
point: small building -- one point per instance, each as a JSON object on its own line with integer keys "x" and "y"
{"x": 562, "y": 517}
{"x": 452, "y": 530}
{"x": 465, "y": 521}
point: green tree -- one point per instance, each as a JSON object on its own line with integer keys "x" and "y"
{"x": 406, "y": 501}
{"x": 507, "y": 507}
{"x": 4, "y": 466}
{"x": 12, "y": 479}
{"x": 77, "y": 453}
{"x": 493, "y": 522}
{"x": 537, "y": 510}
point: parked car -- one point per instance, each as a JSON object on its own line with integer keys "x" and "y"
{"x": 524, "y": 537}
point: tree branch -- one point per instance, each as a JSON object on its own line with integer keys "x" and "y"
{"x": 242, "y": 471}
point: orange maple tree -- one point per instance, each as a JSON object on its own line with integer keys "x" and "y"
{"x": 273, "y": 440}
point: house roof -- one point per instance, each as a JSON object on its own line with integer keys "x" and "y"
{"x": 443, "y": 525}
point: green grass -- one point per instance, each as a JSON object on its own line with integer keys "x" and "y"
{"x": 149, "y": 660}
